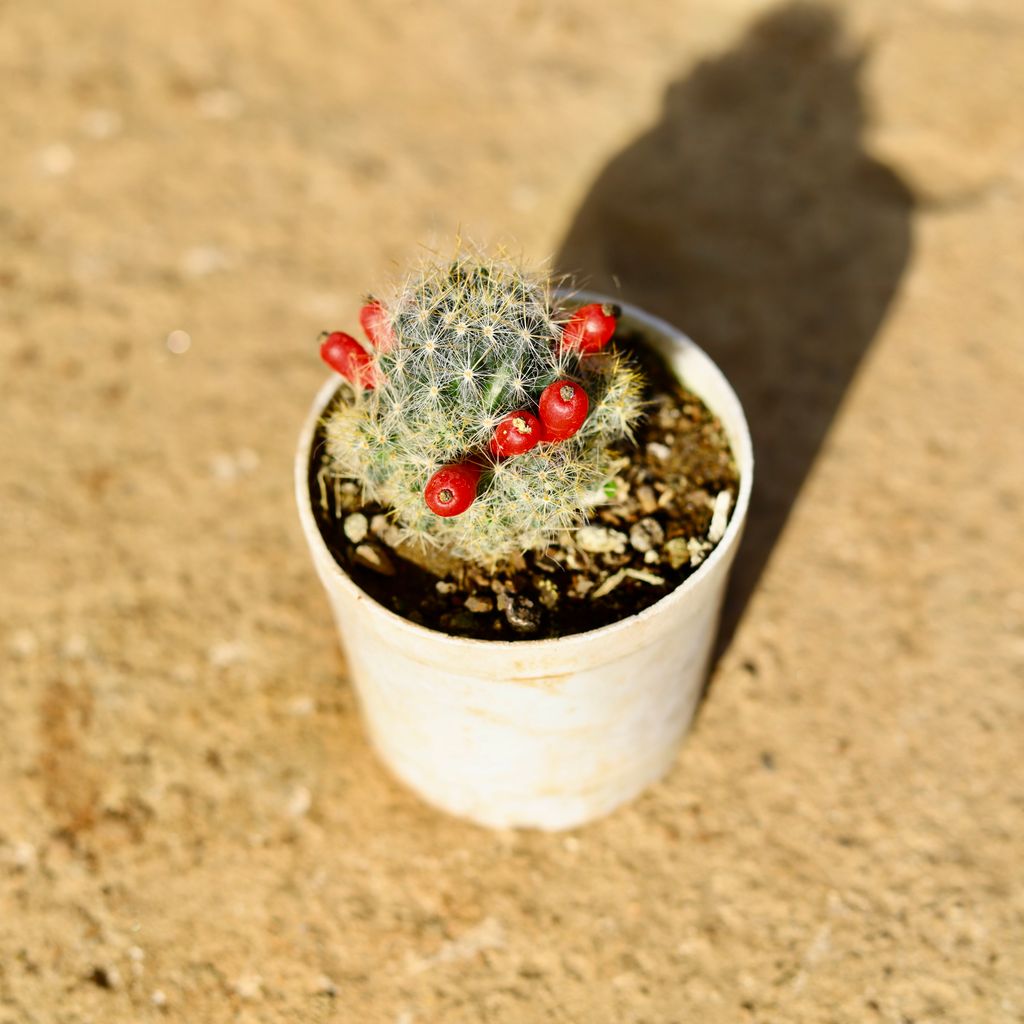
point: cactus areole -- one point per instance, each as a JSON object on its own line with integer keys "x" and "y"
{"x": 483, "y": 409}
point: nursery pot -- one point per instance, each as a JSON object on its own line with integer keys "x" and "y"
{"x": 544, "y": 733}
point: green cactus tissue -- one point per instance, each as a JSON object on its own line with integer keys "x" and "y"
{"x": 482, "y": 408}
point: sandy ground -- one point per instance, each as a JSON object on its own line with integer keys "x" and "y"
{"x": 192, "y": 826}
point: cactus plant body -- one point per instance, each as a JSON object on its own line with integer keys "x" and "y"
{"x": 458, "y": 360}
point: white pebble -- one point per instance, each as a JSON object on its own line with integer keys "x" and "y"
{"x": 23, "y": 644}
{"x": 227, "y": 653}
{"x": 678, "y": 552}
{"x": 659, "y": 451}
{"x": 356, "y": 527}
{"x": 248, "y": 986}
{"x": 56, "y": 160}
{"x": 383, "y": 527}
{"x": 299, "y": 802}
{"x": 608, "y": 585}
{"x": 646, "y": 534}
{"x": 324, "y": 986}
{"x": 178, "y": 342}
{"x": 720, "y": 516}
{"x": 23, "y": 856}
{"x": 302, "y": 707}
{"x": 112, "y": 975}
{"x": 698, "y": 550}
{"x": 346, "y": 496}
{"x": 203, "y": 260}
{"x": 222, "y": 467}
{"x": 600, "y": 540}
{"x": 647, "y": 498}
{"x": 644, "y": 577}
{"x": 375, "y": 559}
{"x": 76, "y": 647}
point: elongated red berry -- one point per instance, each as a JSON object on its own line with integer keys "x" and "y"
{"x": 343, "y": 353}
{"x": 452, "y": 489}
{"x": 563, "y": 408}
{"x": 591, "y": 327}
{"x": 377, "y": 326}
{"x": 517, "y": 432}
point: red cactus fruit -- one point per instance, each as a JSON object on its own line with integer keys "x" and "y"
{"x": 376, "y": 326}
{"x": 343, "y": 353}
{"x": 591, "y": 327}
{"x": 517, "y": 432}
{"x": 452, "y": 489}
{"x": 563, "y": 408}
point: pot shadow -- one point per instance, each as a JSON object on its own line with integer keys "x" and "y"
{"x": 751, "y": 216}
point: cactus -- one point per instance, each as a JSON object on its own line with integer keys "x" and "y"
{"x": 456, "y": 349}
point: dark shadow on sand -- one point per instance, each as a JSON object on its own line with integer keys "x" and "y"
{"x": 751, "y": 216}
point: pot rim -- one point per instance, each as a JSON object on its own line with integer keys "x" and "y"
{"x": 666, "y": 337}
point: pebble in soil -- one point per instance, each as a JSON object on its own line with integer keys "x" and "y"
{"x": 674, "y": 495}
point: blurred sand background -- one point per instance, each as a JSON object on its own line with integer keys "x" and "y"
{"x": 831, "y": 200}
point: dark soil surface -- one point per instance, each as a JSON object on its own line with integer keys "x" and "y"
{"x": 632, "y": 553}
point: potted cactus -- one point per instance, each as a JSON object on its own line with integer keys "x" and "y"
{"x": 472, "y": 491}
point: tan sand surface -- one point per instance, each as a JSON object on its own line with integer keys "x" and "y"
{"x": 192, "y": 825}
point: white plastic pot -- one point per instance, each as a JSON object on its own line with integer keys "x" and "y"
{"x": 543, "y": 733}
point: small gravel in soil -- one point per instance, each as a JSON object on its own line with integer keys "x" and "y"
{"x": 674, "y": 498}
{"x": 356, "y": 527}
